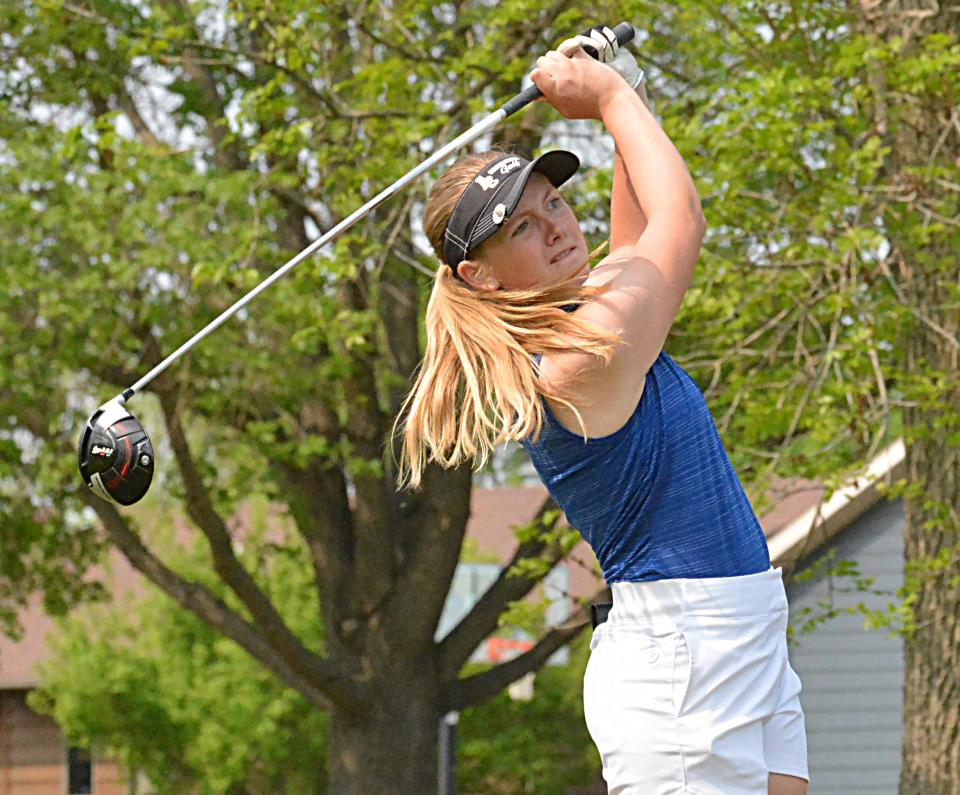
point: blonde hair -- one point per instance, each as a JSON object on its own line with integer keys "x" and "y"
{"x": 478, "y": 385}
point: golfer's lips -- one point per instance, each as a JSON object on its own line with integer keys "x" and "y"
{"x": 562, "y": 254}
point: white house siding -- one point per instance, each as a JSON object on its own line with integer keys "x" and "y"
{"x": 853, "y": 677}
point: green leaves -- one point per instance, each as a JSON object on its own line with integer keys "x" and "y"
{"x": 158, "y": 690}
{"x": 541, "y": 747}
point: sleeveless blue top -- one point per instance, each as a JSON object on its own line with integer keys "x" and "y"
{"x": 658, "y": 498}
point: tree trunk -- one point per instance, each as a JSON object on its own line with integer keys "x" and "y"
{"x": 931, "y": 695}
{"x": 923, "y": 141}
{"x": 390, "y": 749}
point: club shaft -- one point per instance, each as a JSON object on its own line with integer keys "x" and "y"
{"x": 624, "y": 33}
{"x": 474, "y": 132}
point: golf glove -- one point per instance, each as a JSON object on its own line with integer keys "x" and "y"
{"x": 603, "y": 41}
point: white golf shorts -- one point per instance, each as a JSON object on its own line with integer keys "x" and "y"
{"x": 688, "y": 688}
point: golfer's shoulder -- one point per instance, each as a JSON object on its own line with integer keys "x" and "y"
{"x": 603, "y": 400}
{"x": 626, "y": 285}
{"x": 644, "y": 284}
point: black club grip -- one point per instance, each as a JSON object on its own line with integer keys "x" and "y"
{"x": 624, "y": 32}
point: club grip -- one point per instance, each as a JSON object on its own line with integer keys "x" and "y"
{"x": 624, "y": 33}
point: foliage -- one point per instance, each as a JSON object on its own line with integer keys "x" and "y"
{"x": 792, "y": 326}
{"x": 844, "y": 577}
{"x": 155, "y": 688}
{"x": 540, "y": 747}
{"x": 152, "y": 686}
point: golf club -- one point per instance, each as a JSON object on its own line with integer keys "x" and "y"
{"x": 116, "y": 457}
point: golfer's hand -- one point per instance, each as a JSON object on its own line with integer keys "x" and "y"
{"x": 601, "y": 43}
{"x": 577, "y": 86}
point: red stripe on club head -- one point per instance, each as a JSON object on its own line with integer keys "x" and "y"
{"x": 126, "y": 464}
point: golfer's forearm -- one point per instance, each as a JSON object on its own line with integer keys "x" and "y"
{"x": 655, "y": 169}
{"x": 627, "y": 220}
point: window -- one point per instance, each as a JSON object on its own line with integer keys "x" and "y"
{"x": 79, "y": 772}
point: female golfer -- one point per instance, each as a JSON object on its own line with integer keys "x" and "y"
{"x": 688, "y": 688}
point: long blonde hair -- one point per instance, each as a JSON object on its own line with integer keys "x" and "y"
{"x": 478, "y": 385}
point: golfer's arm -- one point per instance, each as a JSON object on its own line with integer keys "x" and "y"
{"x": 650, "y": 177}
{"x": 627, "y": 220}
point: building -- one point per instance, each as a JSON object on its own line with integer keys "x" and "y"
{"x": 852, "y": 678}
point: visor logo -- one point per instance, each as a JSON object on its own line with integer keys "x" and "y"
{"x": 505, "y": 167}
{"x": 487, "y": 183}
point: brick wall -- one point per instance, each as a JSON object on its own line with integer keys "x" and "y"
{"x": 33, "y": 754}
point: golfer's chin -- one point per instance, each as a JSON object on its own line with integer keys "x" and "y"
{"x": 582, "y": 273}
{"x": 578, "y": 276}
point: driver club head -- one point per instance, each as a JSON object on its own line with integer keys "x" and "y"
{"x": 115, "y": 455}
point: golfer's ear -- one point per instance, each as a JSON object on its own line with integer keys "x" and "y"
{"x": 477, "y": 275}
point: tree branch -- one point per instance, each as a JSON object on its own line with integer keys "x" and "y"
{"x": 422, "y": 56}
{"x": 324, "y": 94}
{"x": 317, "y": 499}
{"x": 366, "y": 428}
{"x": 480, "y": 687}
{"x": 201, "y": 511}
{"x": 440, "y": 509}
{"x": 225, "y": 154}
{"x": 316, "y": 496}
{"x": 129, "y": 107}
{"x": 482, "y": 619}
{"x": 298, "y": 201}
{"x": 196, "y": 598}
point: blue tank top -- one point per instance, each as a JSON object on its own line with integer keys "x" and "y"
{"x": 658, "y": 498}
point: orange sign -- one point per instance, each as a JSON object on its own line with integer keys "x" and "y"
{"x": 500, "y": 649}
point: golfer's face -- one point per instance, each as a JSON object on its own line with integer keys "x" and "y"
{"x": 540, "y": 244}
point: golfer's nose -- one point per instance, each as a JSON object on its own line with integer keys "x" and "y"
{"x": 553, "y": 230}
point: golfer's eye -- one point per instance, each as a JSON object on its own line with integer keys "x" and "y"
{"x": 520, "y": 228}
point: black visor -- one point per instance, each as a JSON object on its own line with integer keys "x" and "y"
{"x": 493, "y": 195}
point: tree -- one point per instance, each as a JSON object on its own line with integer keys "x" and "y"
{"x": 165, "y": 157}
{"x": 913, "y": 78}
{"x": 153, "y": 687}
{"x": 540, "y": 747}
{"x": 178, "y": 704}
{"x": 161, "y": 158}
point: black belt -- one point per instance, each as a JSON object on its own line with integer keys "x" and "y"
{"x": 599, "y": 612}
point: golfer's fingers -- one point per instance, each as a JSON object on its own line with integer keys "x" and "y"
{"x": 539, "y": 77}
{"x": 551, "y": 55}
{"x": 554, "y": 60}
{"x": 548, "y": 65}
